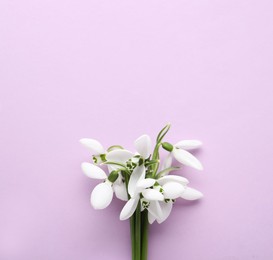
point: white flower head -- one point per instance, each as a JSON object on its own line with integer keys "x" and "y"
{"x": 102, "y": 194}
{"x": 173, "y": 187}
{"x": 180, "y": 153}
{"x": 143, "y": 145}
{"x": 137, "y": 185}
{"x": 138, "y": 178}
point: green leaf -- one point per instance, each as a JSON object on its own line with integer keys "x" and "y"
{"x": 162, "y": 133}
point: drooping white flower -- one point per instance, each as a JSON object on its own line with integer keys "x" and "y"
{"x": 180, "y": 153}
{"x": 114, "y": 153}
{"x": 120, "y": 156}
{"x": 172, "y": 188}
{"x": 175, "y": 186}
{"x": 129, "y": 208}
{"x": 159, "y": 211}
{"x": 143, "y": 145}
{"x": 137, "y": 185}
{"x": 102, "y": 194}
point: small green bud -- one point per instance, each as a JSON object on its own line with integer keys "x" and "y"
{"x": 113, "y": 176}
{"x": 167, "y": 146}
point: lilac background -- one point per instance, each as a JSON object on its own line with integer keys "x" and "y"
{"x": 113, "y": 70}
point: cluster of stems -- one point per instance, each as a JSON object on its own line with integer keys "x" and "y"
{"x": 139, "y": 224}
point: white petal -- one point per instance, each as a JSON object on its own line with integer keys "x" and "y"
{"x": 144, "y": 145}
{"x": 93, "y": 145}
{"x": 120, "y": 156}
{"x": 155, "y": 209}
{"x": 152, "y": 194}
{"x": 120, "y": 191}
{"x": 129, "y": 208}
{"x": 166, "y": 211}
{"x": 173, "y": 178}
{"x": 172, "y": 190}
{"x": 137, "y": 175}
{"x": 101, "y": 196}
{"x": 188, "y": 144}
{"x": 186, "y": 158}
{"x": 93, "y": 171}
{"x": 151, "y": 218}
{"x": 191, "y": 194}
{"x": 145, "y": 183}
{"x": 167, "y": 163}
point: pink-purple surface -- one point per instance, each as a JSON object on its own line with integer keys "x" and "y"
{"x": 113, "y": 70}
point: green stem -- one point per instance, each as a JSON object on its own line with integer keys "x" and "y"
{"x": 138, "y": 232}
{"x": 132, "y": 229}
{"x": 119, "y": 164}
{"x": 155, "y": 157}
{"x": 132, "y": 223}
{"x": 145, "y": 233}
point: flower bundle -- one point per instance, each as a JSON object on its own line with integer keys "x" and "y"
{"x": 142, "y": 181}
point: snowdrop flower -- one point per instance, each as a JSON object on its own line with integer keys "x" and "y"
{"x": 175, "y": 186}
{"x": 99, "y": 153}
{"x": 102, "y": 194}
{"x": 172, "y": 187}
{"x": 143, "y": 145}
{"x": 137, "y": 185}
{"x": 115, "y": 154}
{"x": 180, "y": 153}
{"x": 159, "y": 210}
{"x": 120, "y": 156}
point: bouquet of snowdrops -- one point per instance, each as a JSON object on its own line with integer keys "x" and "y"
{"x": 139, "y": 179}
